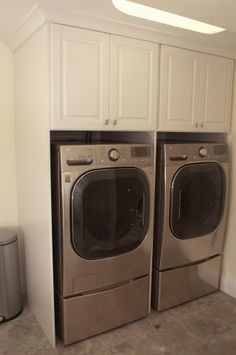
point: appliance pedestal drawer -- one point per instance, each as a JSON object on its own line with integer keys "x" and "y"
{"x": 86, "y": 315}
{"x": 176, "y": 286}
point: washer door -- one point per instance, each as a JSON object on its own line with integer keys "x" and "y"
{"x": 197, "y": 200}
{"x": 109, "y": 212}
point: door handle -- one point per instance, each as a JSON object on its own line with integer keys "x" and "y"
{"x": 180, "y": 204}
{"x": 141, "y": 210}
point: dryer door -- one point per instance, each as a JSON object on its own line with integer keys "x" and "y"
{"x": 109, "y": 212}
{"x": 197, "y": 200}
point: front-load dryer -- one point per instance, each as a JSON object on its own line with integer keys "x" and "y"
{"x": 102, "y": 231}
{"x": 190, "y": 214}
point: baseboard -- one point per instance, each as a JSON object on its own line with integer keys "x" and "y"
{"x": 228, "y": 286}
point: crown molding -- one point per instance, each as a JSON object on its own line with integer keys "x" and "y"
{"x": 34, "y": 19}
{"x": 50, "y": 13}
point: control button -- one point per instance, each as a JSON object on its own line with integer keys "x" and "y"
{"x": 113, "y": 154}
{"x": 202, "y": 151}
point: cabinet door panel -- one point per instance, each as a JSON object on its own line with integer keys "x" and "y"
{"x": 80, "y": 94}
{"x": 179, "y": 89}
{"x": 216, "y": 93}
{"x": 80, "y": 78}
{"x": 134, "y": 82}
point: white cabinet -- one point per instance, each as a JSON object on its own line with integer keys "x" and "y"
{"x": 101, "y": 81}
{"x": 133, "y": 84}
{"x": 216, "y": 93}
{"x": 195, "y": 91}
{"x": 80, "y": 78}
{"x": 179, "y": 83}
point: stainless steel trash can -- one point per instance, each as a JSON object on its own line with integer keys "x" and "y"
{"x": 10, "y": 288}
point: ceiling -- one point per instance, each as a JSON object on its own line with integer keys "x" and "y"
{"x": 217, "y": 12}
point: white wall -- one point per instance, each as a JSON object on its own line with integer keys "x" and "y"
{"x": 228, "y": 280}
{"x": 8, "y": 195}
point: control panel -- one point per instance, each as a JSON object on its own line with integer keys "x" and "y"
{"x": 194, "y": 152}
{"x": 124, "y": 154}
{"x": 74, "y": 157}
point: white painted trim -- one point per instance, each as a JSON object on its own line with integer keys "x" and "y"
{"x": 26, "y": 28}
{"x": 69, "y": 17}
{"x": 228, "y": 286}
{"x": 46, "y": 12}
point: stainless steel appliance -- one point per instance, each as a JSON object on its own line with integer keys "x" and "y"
{"x": 10, "y": 288}
{"x": 190, "y": 213}
{"x": 102, "y": 211}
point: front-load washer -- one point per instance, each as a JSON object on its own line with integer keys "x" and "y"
{"x": 190, "y": 214}
{"x": 102, "y": 234}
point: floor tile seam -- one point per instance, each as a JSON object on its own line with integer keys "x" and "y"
{"x": 224, "y": 322}
{"x": 209, "y": 316}
{"x": 222, "y": 336}
{"x": 77, "y": 351}
{"x": 137, "y": 351}
{"x": 224, "y": 312}
{"x": 119, "y": 343}
{"x": 227, "y": 323}
{"x": 104, "y": 346}
{"x": 147, "y": 341}
{"x": 209, "y": 346}
{"x": 179, "y": 347}
{"x": 192, "y": 333}
{"x": 184, "y": 314}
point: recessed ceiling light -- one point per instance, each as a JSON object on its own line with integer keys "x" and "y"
{"x": 167, "y": 18}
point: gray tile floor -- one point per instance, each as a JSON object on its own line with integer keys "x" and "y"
{"x": 206, "y": 326}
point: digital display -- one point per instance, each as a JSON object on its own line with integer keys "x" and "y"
{"x": 140, "y": 152}
{"x": 220, "y": 149}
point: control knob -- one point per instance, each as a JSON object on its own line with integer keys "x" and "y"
{"x": 202, "y": 152}
{"x": 113, "y": 154}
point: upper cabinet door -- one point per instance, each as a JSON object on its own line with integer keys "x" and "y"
{"x": 133, "y": 84}
{"x": 179, "y": 89}
{"x": 216, "y": 93}
{"x": 195, "y": 91}
{"x": 80, "y": 78}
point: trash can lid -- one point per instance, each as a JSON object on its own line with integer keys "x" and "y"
{"x": 7, "y": 235}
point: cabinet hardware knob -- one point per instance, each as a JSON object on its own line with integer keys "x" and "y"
{"x": 115, "y": 122}
{"x": 196, "y": 124}
{"x": 106, "y": 121}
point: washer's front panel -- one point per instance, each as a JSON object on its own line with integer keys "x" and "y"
{"x": 179, "y": 243}
{"x": 92, "y": 260}
{"x": 175, "y": 251}
{"x": 81, "y": 275}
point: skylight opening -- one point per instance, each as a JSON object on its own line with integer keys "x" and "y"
{"x": 164, "y": 17}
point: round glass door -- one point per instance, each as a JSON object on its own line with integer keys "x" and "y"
{"x": 197, "y": 200}
{"x": 109, "y": 212}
